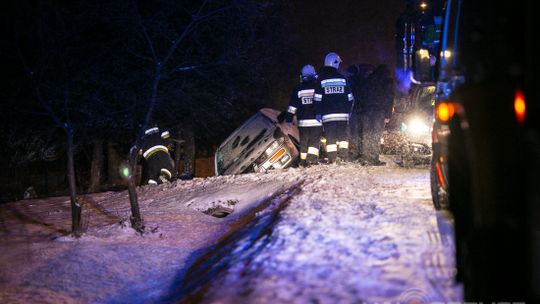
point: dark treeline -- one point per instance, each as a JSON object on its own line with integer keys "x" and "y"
{"x": 88, "y": 69}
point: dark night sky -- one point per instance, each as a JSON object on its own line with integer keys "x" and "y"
{"x": 360, "y": 31}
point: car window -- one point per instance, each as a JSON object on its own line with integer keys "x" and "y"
{"x": 244, "y": 141}
{"x": 236, "y": 142}
{"x": 257, "y": 139}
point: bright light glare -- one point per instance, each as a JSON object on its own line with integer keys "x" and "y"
{"x": 417, "y": 126}
{"x": 125, "y": 171}
{"x": 446, "y": 54}
{"x": 445, "y": 111}
{"x": 424, "y": 54}
{"x": 520, "y": 106}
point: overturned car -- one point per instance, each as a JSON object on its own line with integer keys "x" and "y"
{"x": 264, "y": 142}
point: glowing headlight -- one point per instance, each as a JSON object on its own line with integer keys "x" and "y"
{"x": 417, "y": 126}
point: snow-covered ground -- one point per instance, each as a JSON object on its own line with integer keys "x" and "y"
{"x": 355, "y": 234}
{"x": 352, "y": 234}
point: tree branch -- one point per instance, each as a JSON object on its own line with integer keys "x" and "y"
{"x": 145, "y": 58}
{"x": 212, "y": 13}
{"x": 198, "y": 67}
{"x": 145, "y": 32}
{"x": 186, "y": 31}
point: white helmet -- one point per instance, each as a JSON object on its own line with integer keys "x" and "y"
{"x": 332, "y": 59}
{"x": 308, "y": 71}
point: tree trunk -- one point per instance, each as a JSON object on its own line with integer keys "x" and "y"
{"x": 112, "y": 165}
{"x": 95, "y": 167}
{"x": 189, "y": 147}
{"x": 75, "y": 207}
{"x": 136, "y": 219}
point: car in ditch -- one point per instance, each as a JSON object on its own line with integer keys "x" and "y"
{"x": 264, "y": 142}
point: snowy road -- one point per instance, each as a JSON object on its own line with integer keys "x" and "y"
{"x": 353, "y": 235}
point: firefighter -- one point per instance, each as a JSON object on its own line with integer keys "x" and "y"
{"x": 376, "y": 109}
{"x": 307, "y": 112}
{"x": 336, "y": 99}
{"x": 158, "y": 164}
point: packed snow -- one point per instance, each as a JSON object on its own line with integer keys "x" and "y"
{"x": 350, "y": 234}
{"x": 354, "y": 235}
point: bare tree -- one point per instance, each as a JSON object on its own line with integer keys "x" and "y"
{"x": 67, "y": 127}
{"x": 161, "y": 69}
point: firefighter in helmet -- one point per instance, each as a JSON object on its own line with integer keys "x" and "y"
{"x": 157, "y": 162}
{"x": 308, "y": 115}
{"x": 336, "y": 102}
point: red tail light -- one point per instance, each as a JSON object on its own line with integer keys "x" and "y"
{"x": 439, "y": 174}
{"x": 520, "y": 106}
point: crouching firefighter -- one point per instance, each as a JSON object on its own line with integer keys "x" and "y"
{"x": 158, "y": 166}
{"x": 336, "y": 99}
{"x": 307, "y": 114}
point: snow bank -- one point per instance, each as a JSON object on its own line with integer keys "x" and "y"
{"x": 353, "y": 234}
{"x": 111, "y": 263}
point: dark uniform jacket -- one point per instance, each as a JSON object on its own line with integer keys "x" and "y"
{"x": 156, "y": 156}
{"x": 152, "y": 143}
{"x": 334, "y": 93}
{"x": 303, "y": 106}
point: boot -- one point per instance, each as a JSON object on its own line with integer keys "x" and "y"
{"x": 344, "y": 155}
{"x": 312, "y": 160}
{"x": 332, "y": 157}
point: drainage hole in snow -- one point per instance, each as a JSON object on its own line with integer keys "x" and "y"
{"x": 220, "y": 209}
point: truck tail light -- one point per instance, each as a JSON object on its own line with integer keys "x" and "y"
{"x": 445, "y": 111}
{"x": 520, "y": 106}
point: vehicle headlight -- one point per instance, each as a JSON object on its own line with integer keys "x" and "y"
{"x": 416, "y": 126}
